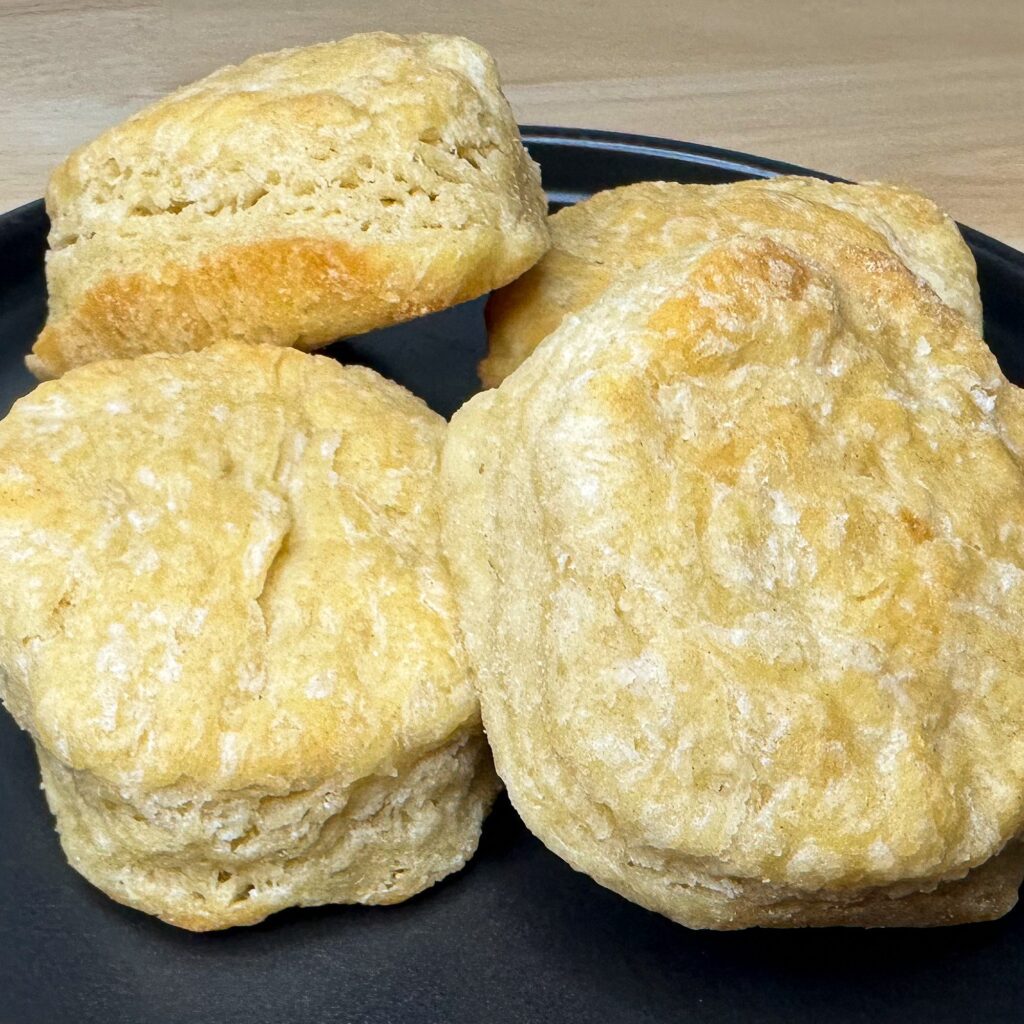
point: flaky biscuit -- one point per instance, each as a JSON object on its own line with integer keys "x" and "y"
{"x": 225, "y": 622}
{"x": 299, "y": 197}
{"x": 740, "y": 561}
{"x": 617, "y": 231}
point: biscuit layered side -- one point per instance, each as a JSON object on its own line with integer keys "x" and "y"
{"x": 225, "y": 622}
{"x": 203, "y": 862}
{"x": 299, "y": 197}
{"x": 618, "y": 231}
{"x": 739, "y": 553}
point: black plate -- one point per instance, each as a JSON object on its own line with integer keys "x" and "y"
{"x": 517, "y": 936}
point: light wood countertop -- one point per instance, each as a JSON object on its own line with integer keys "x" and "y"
{"x": 927, "y": 92}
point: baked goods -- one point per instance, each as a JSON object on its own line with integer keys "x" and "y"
{"x": 739, "y": 553}
{"x": 622, "y": 229}
{"x": 300, "y": 197}
{"x": 226, "y": 624}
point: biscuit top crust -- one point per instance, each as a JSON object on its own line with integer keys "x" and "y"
{"x": 620, "y": 230}
{"x": 222, "y": 568}
{"x": 371, "y": 138}
{"x": 748, "y": 584}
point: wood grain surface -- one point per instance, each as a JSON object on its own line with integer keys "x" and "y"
{"x": 927, "y": 92}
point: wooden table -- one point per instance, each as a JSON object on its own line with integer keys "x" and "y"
{"x": 929, "y": 92}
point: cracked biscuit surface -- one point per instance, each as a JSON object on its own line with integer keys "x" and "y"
{"x": 299, "y": 197}
{"x": 225, "y": 622}
{"x": 620, "y": 230}
{"x": 739, "y": 553}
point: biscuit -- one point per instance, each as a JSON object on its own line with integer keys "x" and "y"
{"x": 299, "y": 197}
{"x": 739, "y": 553}
{"x": 622, "y": 229}
{"x": 225, "y": 622}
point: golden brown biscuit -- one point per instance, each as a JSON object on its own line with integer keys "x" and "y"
{"x": 739, "y": 554}
{"x": 300, "y": 197}
{"x": 622, "y": 229}
{"x": 225, "y": 622}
